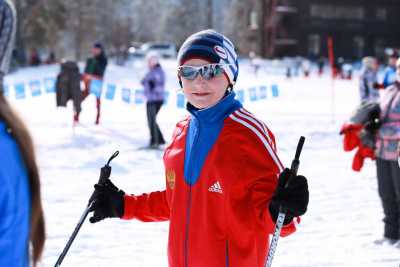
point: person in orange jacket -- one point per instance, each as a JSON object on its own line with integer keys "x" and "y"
{"x": 224, "y": 180}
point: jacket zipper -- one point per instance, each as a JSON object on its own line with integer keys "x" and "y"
{"x": 227, "y": 254}
{"x": 187, "y": 226}
{"x": 190, "y": 199}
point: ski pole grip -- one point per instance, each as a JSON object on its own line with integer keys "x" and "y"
{"x": 296, "y": 162}
{"x": 105, "y": 173}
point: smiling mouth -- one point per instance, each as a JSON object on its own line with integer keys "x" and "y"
{"x": 201, "y": 94}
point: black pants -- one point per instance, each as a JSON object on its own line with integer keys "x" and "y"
{"x": 156, "y": 136}
{"x": 389, "y": 191}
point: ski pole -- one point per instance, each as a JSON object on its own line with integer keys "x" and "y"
{"x": 282, "y": 213}
{"x": 105, "y": 173}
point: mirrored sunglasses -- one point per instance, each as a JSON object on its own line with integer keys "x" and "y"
{"x": 208, "y": 71}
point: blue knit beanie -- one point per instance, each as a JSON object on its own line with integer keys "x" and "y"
{"x": 213, "y": 47}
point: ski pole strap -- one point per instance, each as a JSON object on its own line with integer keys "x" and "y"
{"x": 113, "y": 157}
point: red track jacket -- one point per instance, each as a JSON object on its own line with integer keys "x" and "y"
{"x": 222, "y": 219}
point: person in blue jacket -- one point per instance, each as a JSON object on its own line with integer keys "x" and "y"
{"x": 389, "y": 77}
{"x": 22, "y": 229}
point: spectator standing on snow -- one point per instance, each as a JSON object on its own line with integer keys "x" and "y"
{"x": 389, "y": 76}
{"x": 154, "y": 91}
{"x": 22, "y": 229}
{"x": 224, "y": 180}
{"x": 387, "y": 160}
{"x": 368, "y": 80}
{"x": 68, "y": 86}
{"x": 34, "y": 58}
{"x": 94, "y": 70}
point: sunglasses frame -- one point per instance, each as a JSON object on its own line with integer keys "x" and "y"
{"x": 202, "y": 71}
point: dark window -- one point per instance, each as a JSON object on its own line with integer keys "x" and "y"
{"x": 379, "y": 47}
{"x": 160, "y": 46}
{"x": 381, "y": 13}
{"x": 253, "y": 23}
{"x": 337, "y": 12}
{"x": 314, "y": 44}
{"x": 358, "y": 46}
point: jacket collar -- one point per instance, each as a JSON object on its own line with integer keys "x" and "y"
{"x": 216, "y": 113}
{"x": 3, "y": 127}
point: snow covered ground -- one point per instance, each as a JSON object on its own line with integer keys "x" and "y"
{"x": 344, "y": 216}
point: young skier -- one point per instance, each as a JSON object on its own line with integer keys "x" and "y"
{"x": 224, "y": 180}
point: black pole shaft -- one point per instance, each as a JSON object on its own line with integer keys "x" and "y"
{"x": 105, "y": 173}
{"x": 74, "y": 234}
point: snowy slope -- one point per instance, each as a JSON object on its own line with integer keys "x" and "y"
{"x": 344, "y": 216}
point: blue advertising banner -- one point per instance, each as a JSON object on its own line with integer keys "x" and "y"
{"x": 262, "y": 92}
{"x": 96, "y": 87}
{"x": 110, "y": 91}
{"x": 180, "y": 100}
{"x": 126, "y": 95}
{"x": 6, "y": 90}
{"x": 166, "y": 96}
{"x": 139, "y": 96}
{"x": 275, "y": 91}
{"x": 19, "y": 91}
{"x": 253, "y": 94}
{"x": 35, "y": 88}
{"x": 50, "y": 85}
{"x": 240, "y": 95}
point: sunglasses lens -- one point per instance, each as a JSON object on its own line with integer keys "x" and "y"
{"x": 211, "y": 71}
{"x": 188, "y": 72}
{"x": 218, "y": 70}
{"x": 207, "y": 71}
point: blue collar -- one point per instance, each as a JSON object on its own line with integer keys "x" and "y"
{"x": 3, "y": 127}
{"x": 204, "y": 129}
{"x": 216, "y": 113}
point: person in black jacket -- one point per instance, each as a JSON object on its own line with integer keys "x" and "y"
{"x": 94, "y": 69}
{"x": 68, "y": 86}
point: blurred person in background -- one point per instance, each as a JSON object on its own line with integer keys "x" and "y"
{"x": 34, "y": 58}
{"x": 51, "y": 59}
{"x": 390, "y": 71}
{"x": 368, "y": 80}
{"x": 94, "y": 69}
{"x": 154, "y": 91}
{"x": 68, "y": 87}
{"x": 387, "y": 156}
{"x": 22, "y": 228}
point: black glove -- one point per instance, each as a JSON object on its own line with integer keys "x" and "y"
{"x": 152, "y": 84}
{"x": 373, "y": 125}
{"x": 293, "y": 198}
{"x": 108, "y": 202}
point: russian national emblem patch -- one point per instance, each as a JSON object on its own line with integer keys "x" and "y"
{"x": 171, "y": 178}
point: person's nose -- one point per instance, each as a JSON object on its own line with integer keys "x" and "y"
{"x": 199, "y": 79}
